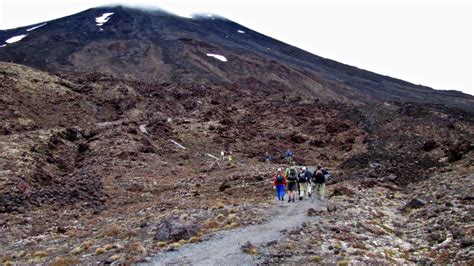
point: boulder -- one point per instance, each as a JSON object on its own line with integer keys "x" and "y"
{"x": 340, "y": 190}
{"x": 313, "y": 212}
{"x": 331, "y": 206}
{"x": 136, "y": 187}
{"x": 429, "y": 145}
{"x": 175, "y": 230}
{"x": 317, "y": 142}
{"x": 298, "y": 138}
{"x": 414, "y": 203}
{"x": 337, "y": 127}
{"x": 225, "y": 185}
{"x": 249, "y": 248}
{"x": 467, "y": 242}
{"x": 455, "y": 152}
{"x": 434, "y": 236}
{"x": 61, "y": 230}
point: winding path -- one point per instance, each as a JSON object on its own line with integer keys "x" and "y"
{"x": 223, "y": 248}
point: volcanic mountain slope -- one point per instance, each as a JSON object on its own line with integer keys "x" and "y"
{"x": 93, "y": 163}
{"x": 155, "y": 46}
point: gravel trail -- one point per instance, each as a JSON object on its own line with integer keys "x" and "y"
{"x": 223, "y": 248}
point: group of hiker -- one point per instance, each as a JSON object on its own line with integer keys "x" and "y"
{"x": 301, "y": 182}
{"x": 288, "y": 155}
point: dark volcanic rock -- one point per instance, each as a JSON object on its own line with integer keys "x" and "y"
{"x": 317, "y": 142}
{"x": 337, "y": 127}
{"x": 339, "y": 190}
{"x": 61, "y": 230}
{"x": 299, "y": 138}
{"x": 457, "y": 150}
{"x": 332, "y": 207}
{"x": 312, "y": 212}
{"x": 467, "y": 242}
{"x": 249, "y": 248}
{"x": 414, "y": 204}
{"x": 429, "y": 145}
{"x": 225, "y": 185}
{"x": 175, "y": 230}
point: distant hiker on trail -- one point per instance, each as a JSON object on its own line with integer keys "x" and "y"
{"x": 319, "y": 182}
{"x": 292, "y": 179}
{"x": 303, "y": 183}
{"x": 289, "y": 156}
{"x": 231, "y": 156}
{"x": 223, "y": 155}
{"x": 279, "y": 182}
{"x": 267, "y": 157}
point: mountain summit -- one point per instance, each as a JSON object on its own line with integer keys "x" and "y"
{"x": 155, "y": 46}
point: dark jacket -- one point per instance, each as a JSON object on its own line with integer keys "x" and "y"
{"x": 308, "y": 175}
{"x": 319, "y": 178}
{"x": 302, "y": 178}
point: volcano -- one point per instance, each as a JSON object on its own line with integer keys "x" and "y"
{"x": 156, "y": 46}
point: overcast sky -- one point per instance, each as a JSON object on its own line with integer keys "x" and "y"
{"x": 424, "y": 42}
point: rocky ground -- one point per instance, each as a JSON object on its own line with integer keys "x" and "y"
{"x": 96, "y": 169}
{"x": 371, "y": 221}
{"x": 238, "y": 246}
{"x": 383, "y": 223}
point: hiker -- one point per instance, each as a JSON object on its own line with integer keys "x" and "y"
{"x": 326, "y": 173}
{"x": 292, "y": 177}
{"x": 231, "y": 156}
{"x": 303, "y": 183}
{"x": 319, "y": 182}
{"x": 223, "y": 155}
{"x": 267, "y": 157}
{"x": 289, "y": 156}
{"x": 309, "y": 177}
{"x": 279, "y": 183}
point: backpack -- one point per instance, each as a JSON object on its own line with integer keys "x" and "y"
{"x": 292, "y": 174}
{"x": 326, "y": 175}
{"x": 279, "y": 179}
{"x": 318, "y": 177}
{"x": 302, "y": 178}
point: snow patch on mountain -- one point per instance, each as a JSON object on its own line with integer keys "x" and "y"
{"x": 241, "y": 31}
{"x": 15, "y": 38}
{"x": 3, "y": 45}
{"x": 217, "y": 56}
{"x": 103, "y": 19}
{"x": 35, "y": 27}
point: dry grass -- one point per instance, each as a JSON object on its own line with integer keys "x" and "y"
{"x": 64, "y": 261}
{"x": 135, "y": 248}
{"x": 112, "y": 230}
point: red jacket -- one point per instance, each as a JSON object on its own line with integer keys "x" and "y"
{"x": 279, "y": 183}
